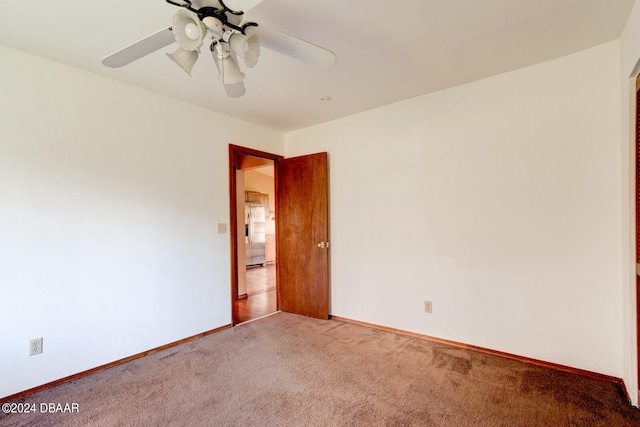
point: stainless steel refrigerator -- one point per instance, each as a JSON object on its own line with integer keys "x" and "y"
{"x": 255, "y": 227}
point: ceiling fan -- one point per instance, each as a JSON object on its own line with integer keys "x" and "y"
{"x": 196, "y": 20}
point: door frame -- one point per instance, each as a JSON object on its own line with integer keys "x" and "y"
{"x": 636, "y": 206}
{"x": 235, "y": 151}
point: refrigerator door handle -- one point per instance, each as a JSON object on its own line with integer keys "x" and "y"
{"x": 250, "y": 227}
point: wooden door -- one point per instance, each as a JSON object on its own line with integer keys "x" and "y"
{"x": 302, "y": 220}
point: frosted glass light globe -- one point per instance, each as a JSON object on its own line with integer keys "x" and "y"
{"x": 192, "y": 31}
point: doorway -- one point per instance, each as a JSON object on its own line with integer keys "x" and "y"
{"x": 253, "y": 259}
{"x": 257, "y": 274}
{"x": 302, "y": 232}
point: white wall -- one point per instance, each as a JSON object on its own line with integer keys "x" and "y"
{"x": 109, "y": 200}
{"x": 630, "y": 68}
{"x": 498, "y": 200}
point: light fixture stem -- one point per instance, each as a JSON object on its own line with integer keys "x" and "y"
{"x": 220, "y": 53}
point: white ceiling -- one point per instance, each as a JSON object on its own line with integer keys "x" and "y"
{"x": 387, "y": 50}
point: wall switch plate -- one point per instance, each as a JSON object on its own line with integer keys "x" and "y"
{"x": 427, "y": 307}
{"x": 35, "y": 346}
{"x": 222, "y": 228}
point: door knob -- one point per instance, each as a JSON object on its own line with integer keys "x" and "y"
{"x": 323, "y": 245}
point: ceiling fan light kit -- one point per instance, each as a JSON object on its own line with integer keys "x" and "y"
{"x": 228, "y": 70}
{"x": 198, "y": 19}
{"x": 188, "y": 30}
{"x": 186, "y": 59}
{"x": 246, "y": 47}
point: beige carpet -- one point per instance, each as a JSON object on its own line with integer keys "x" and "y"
{"x": 288, "y": 370}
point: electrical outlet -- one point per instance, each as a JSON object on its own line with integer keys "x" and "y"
{"x": 222, "y": 228}
{"x": 427, "y": 307}
{"x": 35, "y": 346}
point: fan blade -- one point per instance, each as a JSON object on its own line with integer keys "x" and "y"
{"x": 292, "y": 46}
{"x": 141, "y": 48}
{"x": 235, "y": 90}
